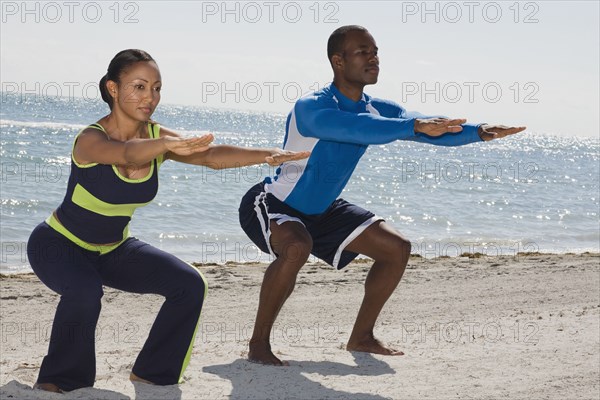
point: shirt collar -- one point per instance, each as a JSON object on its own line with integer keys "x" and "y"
{"x": 348, "y": 103}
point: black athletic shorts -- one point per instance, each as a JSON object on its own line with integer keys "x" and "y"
{"x": 331, "y": 231}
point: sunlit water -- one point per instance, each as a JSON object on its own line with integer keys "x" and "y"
{"x": 526, "y": 193}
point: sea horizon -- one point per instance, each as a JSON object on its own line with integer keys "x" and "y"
{"x": 536, "y": 192}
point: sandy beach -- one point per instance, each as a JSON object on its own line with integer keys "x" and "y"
{"x": 525, "y": 326}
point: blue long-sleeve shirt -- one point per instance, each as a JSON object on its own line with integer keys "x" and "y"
{"x": 338, "y": 130}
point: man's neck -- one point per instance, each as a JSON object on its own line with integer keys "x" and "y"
{"x": 351, "y": 91}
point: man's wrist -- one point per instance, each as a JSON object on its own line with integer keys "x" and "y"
{"x": 480, "y": 131}
{"x": 415, "y": 124}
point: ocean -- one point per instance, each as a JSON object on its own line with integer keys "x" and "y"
{"x": 528, "y": 193}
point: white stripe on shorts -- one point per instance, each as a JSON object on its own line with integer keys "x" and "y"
{"x": 359, "y": 229}
{"x": 281, "y": 218}
{"x": 265, "y": 229}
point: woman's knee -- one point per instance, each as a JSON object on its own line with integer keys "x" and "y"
{"x": 198, "y": 285}
{"x": 81, "y": 302}
{"x": 190, "y": 287}
{"x": 83, "y": 292}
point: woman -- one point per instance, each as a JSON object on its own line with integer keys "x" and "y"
{"x": 85, "y": 243}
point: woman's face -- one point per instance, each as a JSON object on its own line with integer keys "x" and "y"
{"x": 138, "y": 93}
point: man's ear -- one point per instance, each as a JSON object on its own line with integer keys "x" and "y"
{"x": 337, "y": 62}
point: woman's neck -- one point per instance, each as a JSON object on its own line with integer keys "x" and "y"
{"x": 122, "y": 128}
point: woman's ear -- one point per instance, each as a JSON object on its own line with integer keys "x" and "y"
{"x": 112, "y": 88}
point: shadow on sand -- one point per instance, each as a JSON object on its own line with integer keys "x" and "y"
{"x": 253, "y": 381}
{"x": 17, "y": 390}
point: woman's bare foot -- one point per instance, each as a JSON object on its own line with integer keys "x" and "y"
{"x": 134, "y": 378}
{"x": 260, "y": 353}
{"x": 48, "y": 387}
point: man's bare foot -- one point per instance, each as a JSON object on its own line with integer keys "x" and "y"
{"x": 260, "y": 353}
{"x": 134, "y": 378}
{"x": 48, "y": 387}
{"x": 372, "y": 345}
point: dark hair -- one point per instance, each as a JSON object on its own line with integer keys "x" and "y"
{"x": 123, "y": 60}
{"x": 335, "y": 44}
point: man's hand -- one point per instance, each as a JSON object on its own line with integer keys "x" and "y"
{"x": 438, "y": 126}
{"x": 491, "y": 132}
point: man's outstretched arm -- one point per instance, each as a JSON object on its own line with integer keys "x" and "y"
{"x": 324, "y": 120}
{"x": 471, "y": 133}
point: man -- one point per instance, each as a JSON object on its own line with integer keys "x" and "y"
{"x": 297, "y": 212}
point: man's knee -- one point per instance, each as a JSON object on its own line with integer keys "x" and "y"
{"x": 404, "y": 247}
{"x": 293, "y": 244}
{"x": 296, "y": 251}
{"x": 396, "y": 247}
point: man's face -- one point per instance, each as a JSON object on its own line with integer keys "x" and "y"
{"x": 360, "y": 60}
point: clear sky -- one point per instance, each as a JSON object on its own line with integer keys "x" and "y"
{"x": 533, "y": 63}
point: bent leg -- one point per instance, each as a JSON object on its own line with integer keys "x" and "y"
{"x": 391, "y": 252}
{"x": 140, "y": 268}
{"x": 70, "y": 271}
{"x": 292, "y": 243}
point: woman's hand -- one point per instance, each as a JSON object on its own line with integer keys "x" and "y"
{"x": 186, "y": 146}
{"x": 279, "y": 156}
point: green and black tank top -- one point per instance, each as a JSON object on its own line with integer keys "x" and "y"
{"x": 100, "y": 202}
